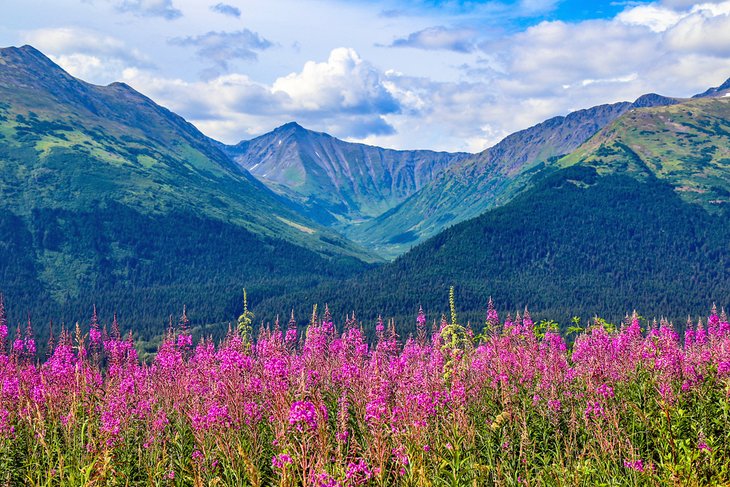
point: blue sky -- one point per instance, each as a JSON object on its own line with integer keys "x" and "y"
{"x": 445, "y": 75}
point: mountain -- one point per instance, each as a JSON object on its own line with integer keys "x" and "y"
{"x": 106, "y": 196}
{"x": 488, "y": 179}
{"x": 637, "y": 217}
{"x": 685, "y": 145}
{"x": 337, "y": 182}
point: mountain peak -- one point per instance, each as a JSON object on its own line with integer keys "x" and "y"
{"x": 654, "y": 100}
{"x": 26, "y": 56}
{"x": 717, "y": 91}
{"x": 291, "y": 125}
{"x": 27, "y": 67}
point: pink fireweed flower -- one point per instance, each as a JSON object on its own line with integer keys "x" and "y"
{"x": 281, "y": 460}
{"x": 637, "y": 465}
{"x": 594, "y": 409}
{"x": 554, "y": 404}
{"x": 375, "y": 410}
{"x": 185, "y": 341}
{"x": 400, "y": 456}
{"x": 358, "y": 472}
{"x": 605, "y": 390}
{"x": 18, "y": 343}
{"x": 325, "y": 480}
{"x": 303, "y": 415}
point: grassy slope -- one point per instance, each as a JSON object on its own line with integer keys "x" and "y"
{"x": 686, "y": 145}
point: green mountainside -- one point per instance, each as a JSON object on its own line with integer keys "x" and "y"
{"x": 106, "y": 196}
{"x": 685, "y": 145}
{"x": 488, "y": 179}
{"x": 611, "y": 227}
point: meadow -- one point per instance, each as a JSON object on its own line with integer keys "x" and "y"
{"x": 511, "y": 402}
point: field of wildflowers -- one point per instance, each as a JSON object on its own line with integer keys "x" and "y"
{"x": 512, "y": 403}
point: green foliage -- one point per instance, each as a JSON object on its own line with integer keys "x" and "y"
{"x": 245, "y": 320}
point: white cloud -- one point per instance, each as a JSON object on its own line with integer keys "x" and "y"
{"x": 654, "y": 17}
{"x": 87, "y": 54}
{"x": 225, "y": 9}
{"x": 220, "y": 48}
{"x": 150, "y": 8}
{"x": 435, "y": 98}
{"x": 702, "y": 32}
{"x": 344, "y": 95}
{"x": 344, "y": 83}
{"x": 439, "y": 37}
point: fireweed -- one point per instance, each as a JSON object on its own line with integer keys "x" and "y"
{"x": 320, "y": 406}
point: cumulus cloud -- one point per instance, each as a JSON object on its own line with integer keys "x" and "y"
{"x": 656, "y": 18}
{"x": 225, "y": 9}
{"x": 496, "y": 84}
{"x": 345, "y": 96}
{"x": 702, "y": 32}
{"x": 344, "y": 83}
{"x": 687, "y": 3}
{"x": 221, "y": 47}
{"x": 439, "y": 37}
{"x": 150, "y": 8}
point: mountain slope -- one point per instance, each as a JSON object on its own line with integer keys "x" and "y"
{"x": 599, "y": 232}
{"x": 487, "y": 179}
{"x": 103, "y": 192}
{"x": 685, "y": 145}
{"x": 337, "y": 182}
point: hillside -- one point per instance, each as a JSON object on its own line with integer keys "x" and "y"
{"x": 598, "y": 232}
{"x": 488, "y": 179}
{"x": 337, "y": 182}
{"x": 685, "y": 145}
{"x": 107, "y": 196}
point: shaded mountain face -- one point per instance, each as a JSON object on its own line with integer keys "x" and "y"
{"x": 102, "y": 191}
{"x": 637, "y": 217}
{"x": 488, "y": 179}
{"x": 337, "y": 182}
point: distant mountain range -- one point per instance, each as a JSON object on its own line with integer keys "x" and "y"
{"x": 635, "y": 218}
{"x": 337, "y": 183}
{"x": 389, "y": 201}
{"x": 107, "y": 197}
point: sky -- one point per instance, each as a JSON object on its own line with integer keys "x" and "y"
{"x": 450, "y": 75}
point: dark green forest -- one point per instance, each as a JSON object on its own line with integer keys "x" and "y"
{"x": 147, "y": 267}
{"x": 576, "y": 244}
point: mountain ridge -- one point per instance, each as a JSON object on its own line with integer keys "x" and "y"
{"x": 489, "y": 178}
{"x": 635, "y": 218}
{"x": 341, "y": 182}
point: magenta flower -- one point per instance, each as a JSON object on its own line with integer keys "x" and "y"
{"x": 303, "y": 415}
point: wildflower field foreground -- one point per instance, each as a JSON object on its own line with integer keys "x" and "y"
{"x": 509, "y": 404}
